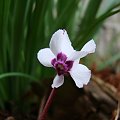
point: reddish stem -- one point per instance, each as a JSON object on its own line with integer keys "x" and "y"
{"x": 43, "y": 115}
{"x": 42, "y": 105}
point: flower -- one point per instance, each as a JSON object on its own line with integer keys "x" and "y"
{"x": 64, "y": 59}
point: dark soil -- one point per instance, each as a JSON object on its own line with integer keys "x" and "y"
{"x": 71, "y": 103}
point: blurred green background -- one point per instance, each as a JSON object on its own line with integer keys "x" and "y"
{"x": 26, "y": 26}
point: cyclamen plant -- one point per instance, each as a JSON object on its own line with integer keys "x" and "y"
{"x": 65, "y": 60}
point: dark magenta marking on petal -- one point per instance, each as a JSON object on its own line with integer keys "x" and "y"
{"x": 61, "y": 57}
{"x": 53, "y": 61}
{"x": 69, "y": 64}
{"x": 61, "y": 65}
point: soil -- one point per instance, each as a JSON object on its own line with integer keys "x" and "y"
{"x": 70, "y": 103}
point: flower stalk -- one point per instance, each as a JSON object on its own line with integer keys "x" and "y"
{"x": 43, "y": 115}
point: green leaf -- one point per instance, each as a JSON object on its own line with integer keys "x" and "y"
{"x": 17, "y": 74}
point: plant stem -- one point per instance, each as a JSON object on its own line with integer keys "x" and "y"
{"x": 43, "y": 115}
{"x": 42, "y": 104}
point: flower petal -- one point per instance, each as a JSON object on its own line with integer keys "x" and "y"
{"x": 89, "y": 47}
{"x": 60, "y": 43}
{"x": 45, "y": 57}
{"x": 76, "y": 55}
{"x": 58, "y": 81}
{"x": 80, "y": 74}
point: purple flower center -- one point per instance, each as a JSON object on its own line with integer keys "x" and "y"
{"x": 61, "y": 64}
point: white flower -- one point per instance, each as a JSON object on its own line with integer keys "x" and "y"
{"x": 65, "y": 59}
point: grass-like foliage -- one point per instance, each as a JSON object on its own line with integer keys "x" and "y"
{"x": 27, "y": 25}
